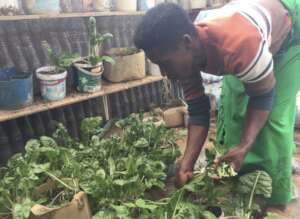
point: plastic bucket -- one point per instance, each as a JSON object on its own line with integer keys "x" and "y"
{"x": 16, "y": 90}
{"x": 144, "y": 5}
{"x": 87, "y": 80}
{"x": 53, "y": 86}
{"x": 102, "y": 5}
{"x": 126, "y": 5}
{"x": 198, "y": 4}
{"x": 43, "y": 6}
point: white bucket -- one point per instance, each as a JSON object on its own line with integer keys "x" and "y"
{"x": 126, "y": 5}
{"x": 102, "y": 5}
{"x": 9, "y": 3}
{"x": 53, "y": 86}
{"x": 152, "y": 69}
{"x": 197, "y": 4}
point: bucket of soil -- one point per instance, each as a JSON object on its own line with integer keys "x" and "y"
{"x": 16, "y": 90}
{"x": 89, "y": 76}
{"x": 129, "y": 65}
{"x": 53, "y": 82}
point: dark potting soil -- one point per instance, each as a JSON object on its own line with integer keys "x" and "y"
{"x": 54, "y": 72}
{"x": 123, "y": 52}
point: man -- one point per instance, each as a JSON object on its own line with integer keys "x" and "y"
{"x": 253, "y": 43}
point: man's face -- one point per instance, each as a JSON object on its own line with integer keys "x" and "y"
{"x": 178, "y": 64}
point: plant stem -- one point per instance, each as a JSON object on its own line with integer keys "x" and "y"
{"x": 56, "y": 197}
{"x": 60, "y": 181}
{"x": 178, "y": 200}
{"x": 252, "y": 195}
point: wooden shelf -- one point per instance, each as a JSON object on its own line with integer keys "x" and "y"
{"x": 69, "y": 15}
{"x": 108, "y": 88}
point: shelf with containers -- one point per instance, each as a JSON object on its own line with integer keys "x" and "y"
{"x": 20, "y": 42}
{"x": 108, "y": 88}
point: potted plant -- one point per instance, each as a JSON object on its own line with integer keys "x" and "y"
{"x": 42, "y": 6}
{"x": 130, "y": 65}
{"x": 126, "y": 5}
{"x": 90, "y": 68}
{"x": 53, "y": 78}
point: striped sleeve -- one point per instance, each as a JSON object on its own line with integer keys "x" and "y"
{"x": 258, "y": 75}
{"x": 252, "y": 61}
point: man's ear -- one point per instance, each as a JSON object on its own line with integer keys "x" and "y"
{"x": 187, "y": 41}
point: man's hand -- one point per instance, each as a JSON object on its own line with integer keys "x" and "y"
{"x": 255, "y": 120}
{"x": 236, "y": 156}
{"x": 183, "y": 177}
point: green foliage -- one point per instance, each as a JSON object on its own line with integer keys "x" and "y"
{"x": 96, "y": 41}
{"x": 117, "y": 172}
{"x": 221, "y": 171}
{"x": 263, "y": 186}
{"x": 90, "y": 127}
{"x": 114, "y": 172}
{"x": 61, "y": 61}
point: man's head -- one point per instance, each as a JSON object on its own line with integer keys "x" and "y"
{"x": 170, "y": 39}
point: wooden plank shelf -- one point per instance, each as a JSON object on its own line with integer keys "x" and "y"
{"x": 70, "y": 15}
{"x": 107, "y": 88}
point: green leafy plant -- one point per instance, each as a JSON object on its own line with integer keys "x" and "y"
{"x": 114, "y": 172}
{"x": 117, "y": 172}
{"x": 62, "y": 61}
{"x": 96, "y": 41}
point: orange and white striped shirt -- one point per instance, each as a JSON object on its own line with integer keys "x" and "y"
{"x": 241, "y": 39}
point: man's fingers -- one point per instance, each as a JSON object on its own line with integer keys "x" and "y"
{"x": 225, "y": 158}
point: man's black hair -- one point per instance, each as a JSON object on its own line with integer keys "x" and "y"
{"x": 162, "y": 27}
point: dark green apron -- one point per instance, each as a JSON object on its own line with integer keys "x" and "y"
{"x": 273, "y": 148}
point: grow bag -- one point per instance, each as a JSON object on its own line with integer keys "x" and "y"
{"x": 130, "y": 65}
{"x": 15, "y": 89}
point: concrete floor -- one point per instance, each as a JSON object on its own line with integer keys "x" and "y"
{"x": 294, "y": 207}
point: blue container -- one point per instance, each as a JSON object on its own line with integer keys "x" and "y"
{"x": 145, "y": 5}
{"x": 16, "y": 90}
{"x": 45, "y": 7}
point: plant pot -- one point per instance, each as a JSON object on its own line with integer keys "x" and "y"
{"x": 89, "y": 77}
{"x": 53, "y": 86}
{"x": 69, "y": 6}
{"x": 42, "y": 6}
{"x": 144, "y": 5}
{"x": 9, "y": 3}
{"x": 174, "y": 117}
{"x": 214, "y": 3}
{"x": 152, "y": 69}
{"x": 130, "y": 65}
{"x": 16, "y": 89}
{"x": 102, "y": 5}
{"x": 126, "y": 5}
{"x": 197, "y": 4}
{"x": 185, "y": 4}
{"x": 77, "y": 208}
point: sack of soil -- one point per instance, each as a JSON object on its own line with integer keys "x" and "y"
{"x": 130, "y": 65}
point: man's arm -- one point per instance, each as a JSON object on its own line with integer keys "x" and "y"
{"x": 199, "y": 116}
{"x": 258, "y": 111}
{"x": 196, "y": 138}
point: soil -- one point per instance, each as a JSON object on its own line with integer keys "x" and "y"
{"x": 56, "y": 71}
{"x": 123, "y": 51}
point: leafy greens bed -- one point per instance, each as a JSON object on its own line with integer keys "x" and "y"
{"x": 117, "y": 172}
